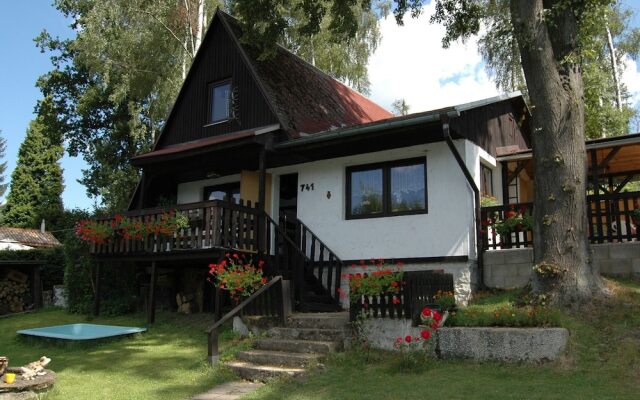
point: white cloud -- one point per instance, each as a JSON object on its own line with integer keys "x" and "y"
{"x": 410, "y": 63}
{"x": 631, "y": 78}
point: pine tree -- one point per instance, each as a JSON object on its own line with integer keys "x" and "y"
{"x": 36, "y": 182}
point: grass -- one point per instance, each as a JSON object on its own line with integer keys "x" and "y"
{"x": 166, "y": 362}
{"x": 602, "y": 362}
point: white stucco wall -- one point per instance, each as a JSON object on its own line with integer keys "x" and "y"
{"x": 14, "y": 246}
{"x": 446, "y": 230}
{"x": 443, "y": 231}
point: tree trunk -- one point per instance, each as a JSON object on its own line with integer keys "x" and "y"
{"x": 200, "y": 27}
{"x": 614, "y": 68}
{"x": 559, "y": 155}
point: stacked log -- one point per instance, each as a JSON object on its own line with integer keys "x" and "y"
{"x": 14, "y": 292}
{"x": 185, "y": 302}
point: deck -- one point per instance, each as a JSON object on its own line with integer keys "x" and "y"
{"x": 211, "y": 226}
{"x": 611, "y": 219}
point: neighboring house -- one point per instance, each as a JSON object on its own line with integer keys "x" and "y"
{"x": 339, "y": 177}
{"x": 26, "y": 239}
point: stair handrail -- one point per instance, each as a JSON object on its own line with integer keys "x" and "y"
{"x": 335, "y": 256}
{"x": 332, "y": 256}
{"x": 212, "y": 332}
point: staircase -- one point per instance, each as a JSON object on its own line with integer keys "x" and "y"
{"x": 289, "y": 350}
{"x": 313, "y": 267}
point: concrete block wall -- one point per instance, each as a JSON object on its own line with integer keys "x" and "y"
{"x": 508, "y": 269}
{"x": 512, "y": 268}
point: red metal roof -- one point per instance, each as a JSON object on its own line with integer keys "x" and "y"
{"x": 197, "y": 144}
{"x": 306, "y": 99}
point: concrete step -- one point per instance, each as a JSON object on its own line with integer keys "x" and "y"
{"x": 315, "y": 334}
{"x": 299, "y": 346}
{"x": 279, "y": 358}
{"x": 262, "y": 373}
{"x": 328, "y": 320}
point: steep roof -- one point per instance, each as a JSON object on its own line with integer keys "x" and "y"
{"x": 28, "y": 237}
{"x": 306, "y": 99}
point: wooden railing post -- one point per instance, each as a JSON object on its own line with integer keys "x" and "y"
{"x": 213, "y": 354}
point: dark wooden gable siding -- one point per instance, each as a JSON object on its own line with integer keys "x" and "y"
{"x": 218, "y": 59}
{"x": 494, "y": 125}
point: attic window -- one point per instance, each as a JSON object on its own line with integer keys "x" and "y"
{"x": 220, "y": 99}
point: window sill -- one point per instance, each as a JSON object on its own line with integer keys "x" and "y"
{"x": 386, "y": 215}
{"x": 217, "y": 123}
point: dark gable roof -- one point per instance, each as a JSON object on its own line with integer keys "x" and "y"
{"x": 28, "y": 237}
{"x": 306, "y": 99}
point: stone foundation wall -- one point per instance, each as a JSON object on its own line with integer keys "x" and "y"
{"x": 512, "y": 268}
{"x": 502, "y": 344}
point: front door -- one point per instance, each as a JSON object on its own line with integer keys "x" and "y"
{"x": 288, "y": 209}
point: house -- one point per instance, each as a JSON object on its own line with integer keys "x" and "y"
{"x": 276, "y": 159}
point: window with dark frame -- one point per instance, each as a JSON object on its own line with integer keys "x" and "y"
{"x": 387, "y": 189}
{"x": 219, "y": 101}
{"x": 226, "y": 192}
{"x": 486, "y": 183}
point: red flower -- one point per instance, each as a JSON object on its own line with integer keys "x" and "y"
{"x": 399, "y": 340}
{"x": 395, "y": 300}
{"x": 434, "y": 325}
{"x": 264, "y": 280}
{"x": 426, "y": 312}
{"x": 394, "y": 284}
{"x": 437, "y": 316}
{"x": 235, "y": 255}
{"x": 408, "y": 339}
{"x": 425, "y": 334}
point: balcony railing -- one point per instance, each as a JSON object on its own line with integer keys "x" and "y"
{"x": 612, "y": 220}
{"x": 211, "y": 224}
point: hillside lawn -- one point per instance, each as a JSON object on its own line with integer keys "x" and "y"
{"x": 602, "y": 362}
{"x": 168, "y": 361}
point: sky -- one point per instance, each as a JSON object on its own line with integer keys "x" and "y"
{"x": 436, "y": 77}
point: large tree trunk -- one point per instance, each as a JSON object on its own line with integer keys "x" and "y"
{"x": 548, "y": 49}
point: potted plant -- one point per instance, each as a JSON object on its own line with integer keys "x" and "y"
{"x": 237, "y": 275}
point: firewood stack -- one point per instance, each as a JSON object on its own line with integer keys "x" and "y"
{"x": 14, "y": 292}
{"x": 185, "y": 302}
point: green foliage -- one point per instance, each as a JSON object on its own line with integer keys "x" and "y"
{"x": 112, "y": 86}
{"x": 400, "y": 107}
{"x": 36, "y": 182}
{"x": 336, "y": 36}
{"x": 509, "y": 316}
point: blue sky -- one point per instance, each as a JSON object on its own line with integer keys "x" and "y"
{"x": 22, "y": 63}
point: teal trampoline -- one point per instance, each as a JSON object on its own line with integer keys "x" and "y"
{"x": 81, "y": 331}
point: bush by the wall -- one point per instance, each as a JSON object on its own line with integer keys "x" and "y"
{"x": 118, "y": 285}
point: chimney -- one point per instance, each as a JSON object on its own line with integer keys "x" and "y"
{"x": 42, "y": 228}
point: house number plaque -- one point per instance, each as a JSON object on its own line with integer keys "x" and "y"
{"x": 306, "y": 187}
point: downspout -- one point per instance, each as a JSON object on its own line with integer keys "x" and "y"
{"x": 476, "y": 192}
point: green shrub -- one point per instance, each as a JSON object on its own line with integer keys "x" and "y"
{"x": 507, "y": 316}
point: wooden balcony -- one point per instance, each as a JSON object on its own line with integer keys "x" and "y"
{"x": 212, "y": 226}
{"x": 611, "y": 219}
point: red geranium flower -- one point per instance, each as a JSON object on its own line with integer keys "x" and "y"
{"x": 425, "y": 334}
{"x": 437, "y": 316}
{"x": 426, "y": 312}
{"x": 408, "y": 339}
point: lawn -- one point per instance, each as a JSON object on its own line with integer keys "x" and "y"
{"x": 603, "y": 362}
{"x": 166, "y": 362}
